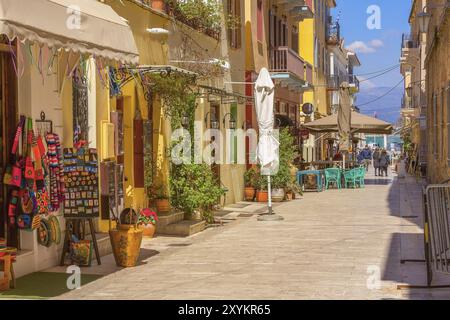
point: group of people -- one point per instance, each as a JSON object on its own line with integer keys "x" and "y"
{"x": 380, "y": 157}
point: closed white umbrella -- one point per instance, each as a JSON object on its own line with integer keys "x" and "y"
{"x": 268, "y": 146}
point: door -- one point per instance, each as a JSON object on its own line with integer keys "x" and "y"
{"x": 8, "y": 121}
{"x": 215, "y": 115}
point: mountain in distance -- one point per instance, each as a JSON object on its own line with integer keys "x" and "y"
{"x": 387, "y": 108}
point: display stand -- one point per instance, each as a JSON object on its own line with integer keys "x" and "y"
{"x": 77, "y": 226}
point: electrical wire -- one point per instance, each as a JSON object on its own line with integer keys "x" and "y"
{"x": 379, "y": 75}
{"x": 382, "y": 96}
{"x": 379, "y": 71}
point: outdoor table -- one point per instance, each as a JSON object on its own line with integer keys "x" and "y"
{"x": 317, "y": 173}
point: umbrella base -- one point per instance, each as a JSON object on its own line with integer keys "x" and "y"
{"x": 270, "y": 217}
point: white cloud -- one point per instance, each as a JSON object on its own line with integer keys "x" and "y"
{"x": 376, "y": 43}
{"x": 362, "y": 47}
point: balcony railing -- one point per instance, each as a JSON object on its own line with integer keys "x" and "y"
{"x": 333, "y": 33}
{"x": 408, "y": 42}
{"x": 284, "y": 59}
{"x": 407, "y": 102}
{"x": 335, "y": 81}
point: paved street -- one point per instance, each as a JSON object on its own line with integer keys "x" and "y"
{"x": 330, "y": 246}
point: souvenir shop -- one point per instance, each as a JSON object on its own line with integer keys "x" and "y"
{"x": 49, "y": 101}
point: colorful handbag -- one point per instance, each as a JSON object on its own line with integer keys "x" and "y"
{"x": 81, "y": 253}
{"x": 42, "y": 200}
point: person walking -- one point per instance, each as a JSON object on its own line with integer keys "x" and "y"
{"x": 366, "y": 154}
{"x": 384, "y": 163}
{"x": 376, "y": 162}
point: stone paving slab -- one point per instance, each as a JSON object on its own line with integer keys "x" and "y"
{"x": 330, "y": 246}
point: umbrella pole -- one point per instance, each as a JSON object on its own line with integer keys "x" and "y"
{"x": 269, "y": 202}
{"x": 271, "y": 216}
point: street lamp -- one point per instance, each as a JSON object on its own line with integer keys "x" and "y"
{"x": 424, "y": 20}
{"x": 232, "y": 121}
{"x": 424, "y": 17}
{"x": 185, "y": 121}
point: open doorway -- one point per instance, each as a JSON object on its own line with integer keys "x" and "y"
{"x": 8, "y": 121}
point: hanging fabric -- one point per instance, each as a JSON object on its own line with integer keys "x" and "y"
{"x": 56, "y": 171}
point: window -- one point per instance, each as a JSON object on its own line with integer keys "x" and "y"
{"x": 260, "y": 25}
{"x": 443, "y": 125}
{"x": 294, "y": 39}
{"x": 435, "y": 126}
{"x": 448, "y": 125}
{"x": 272, "y": 28}
{"x": 234, "y": 31}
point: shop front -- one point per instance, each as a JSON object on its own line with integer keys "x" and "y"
{"x": 54, "y": 88}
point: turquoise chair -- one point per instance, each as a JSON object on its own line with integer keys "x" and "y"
{"x": 350, "y": 178}
{"x": 361, "y": 176}
{"x": 333, "y": 175}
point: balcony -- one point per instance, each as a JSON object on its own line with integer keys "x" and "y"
{"x": 410, "y": 53}
{"x": 334, "y": 82}
{"x": 333, "y": 33}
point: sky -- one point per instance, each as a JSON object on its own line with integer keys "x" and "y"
{"x": 377, "y": 49}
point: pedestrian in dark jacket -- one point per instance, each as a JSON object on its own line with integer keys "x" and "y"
{"x": 376, "y": 161}
{"x": 384, "y": 162}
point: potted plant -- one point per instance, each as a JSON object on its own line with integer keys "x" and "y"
{"x": 126, "y": 239}
{"x": 147, "y": 222}
{"x": 262, "y": 195}
{"x": 158, "y": 5}
{"x": 162, "y": 201}
{"x": 250, "y": 181}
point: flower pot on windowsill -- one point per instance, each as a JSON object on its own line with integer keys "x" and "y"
{"x": 249, "y": 193}
{"x": 162, "y": 205}
{"x": 278, "y": 195}
{"x": 158, "y": 5}
{"x": 262, "y": 196}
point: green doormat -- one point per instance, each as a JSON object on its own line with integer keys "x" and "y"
{"x": 43, "y": 285}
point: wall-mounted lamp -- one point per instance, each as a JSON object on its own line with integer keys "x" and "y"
{"x": 232, "y": 122}
{"x": 214, "y": 124}
{"x": 424, "y": 20}
{"x": 185, "y": 121}
{"x": 246, "y": 125}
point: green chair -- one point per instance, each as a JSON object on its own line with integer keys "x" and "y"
{"x": 332, "y": 175}
{"x": 350, "y": 178}
{"x": 360, "y": 176}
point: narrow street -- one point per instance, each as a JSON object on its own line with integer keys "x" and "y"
{"x": 327, "y": 248}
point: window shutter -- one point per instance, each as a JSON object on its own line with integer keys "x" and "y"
{"x": 238, "y": 29}
{"x": 448, "y": 125}
{"x": 435, "y": 131}
{"x": 138, "y": 141}
{"x": 260, "y": 20}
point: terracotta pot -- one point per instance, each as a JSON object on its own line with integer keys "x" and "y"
{"x": 148, "y": 231}
{"x": 126, "y": 244}
{"x": 158, "y": 5}
{"x": 162, "y": 205}
{"x": 249, "y": 193}
{"x": 262, "y": 196}
{"x": 278, "y": 195}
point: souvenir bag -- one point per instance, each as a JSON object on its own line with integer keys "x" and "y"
{"x": 13, "y": 173}
{"x": 56, "y": 171}
{"x": 29, "y": 164}
{"x": 42, "y": 201}
{"x": 12, "y": 207}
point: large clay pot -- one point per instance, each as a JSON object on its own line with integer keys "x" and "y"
{"x": 162, "y": 205}
{"x": 126, "y": 244}
{"x": 148, "y": 231}
{"x": 278, "y": 195}
{"x": 249, "y": 193}
{"x": 262, "y": 196}
{"x": 158, "y": 5}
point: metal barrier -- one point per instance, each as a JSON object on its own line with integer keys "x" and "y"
{"x": 438, "y": 239}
